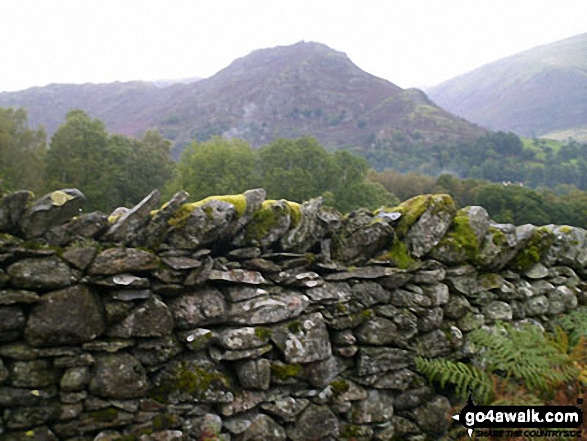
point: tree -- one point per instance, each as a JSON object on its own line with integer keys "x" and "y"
{"x": 77, "y": 158}
{"x": 136, "y": 167}
{"x": 296, "y": 170}
{"x": 217, "y": 166}
{"x": 22, "y": 152}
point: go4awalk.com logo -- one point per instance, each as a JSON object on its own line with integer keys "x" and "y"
{"x": 515, "y": 421}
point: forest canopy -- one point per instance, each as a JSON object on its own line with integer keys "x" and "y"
{"x": 534, "y": 181}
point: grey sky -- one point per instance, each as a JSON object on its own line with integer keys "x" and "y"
{"x": 411, "y": 43}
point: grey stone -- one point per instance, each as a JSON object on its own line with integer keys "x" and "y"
{"x": 438, "y": 293}
{"x": 53, "y": 209}
{"x": 80, "y": 257}
{"x": 431, "y": 225}
{"x": 433, "y": 344}
{"x": 431, "y": 416}
{"x": 243, "y": 338}
{"x": 304, "y": 340}
{"x": 254, "y": 374}
{"x": 286, "y": 408}
{"x": 267, "y": 225}
{"x": 198, "y": 308}
{"x": 569, "y": 248}
{"x": 41, "y": 273}
{"x": 321, "y": 373}
{"x": 380, "y": 359}
{"x": 378, "y": 407}
{"x": 181, "y": 263}
{"x": 430, "y": 319}
{"x": 33, "y": 374}
{"x": 330, "y": 293}
{"x": 119, "y": 376}
{"x": 498, "y": 311}
{"x": 14, "y": 296}
{"x": 12, "y": 322}
{"x": 360, "y": 238}
{"x": 212, "y": 221}
{"x": 315, "y": 422}
{"x": 370, "y": 293}
{"x": 153, "y": 234}
{"x": 413, "y": 398}
{"x": 275, "y": 307}
{"x": 536, "y": 271}
{"x": 240, "y": 293}
{"x": 26, "y": 417}
{"x": 123, "y": 260}
{"x": 75, "y": 379}
{"x": 86, "y": 226}
{"x": 196, "y": 339}
{"x": 70, "y": 316}
{"x": 566, "y": 296}
{"x": 378, "y": 332}
{"x": 313, "y": 225}
{"x": 238, "y": 276}
{"x": 404, "y": 298}
{"x": 156, "y": 351}
{"x": 365, "y": 272}
{"x": 218, "y": 354}
{"x": 456, "y": 307}
{"x": 193, "y": 382}
{"x": 149, "y": 319}
{"x": 538, "y": 305}
{"x": 431, "y": 276}
{"x": 127, "y": 227}
{"x": 263, "y": 427}
{"x": 471, "y": 321}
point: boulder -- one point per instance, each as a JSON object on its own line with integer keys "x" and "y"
{"x": 119, "y": 376}
{"x": 70, "y": 316}
{"x": 360, "y": 238}
{"x": 53, "y": 209}
{"x": 41, "y": 273}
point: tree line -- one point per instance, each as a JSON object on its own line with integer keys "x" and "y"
{"x": 115, "y": 170}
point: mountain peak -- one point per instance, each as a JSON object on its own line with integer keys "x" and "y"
{"x": 532, "y": 93}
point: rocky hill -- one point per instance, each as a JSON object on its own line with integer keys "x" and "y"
{"x": 289, "y": 91}
{"x": 533, "y": 93}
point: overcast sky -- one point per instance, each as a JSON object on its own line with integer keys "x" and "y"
{"x": 412, "y": 43}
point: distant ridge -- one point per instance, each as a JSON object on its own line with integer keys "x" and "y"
{"x": 287, "y": 91}
{"x": 532, "y": 93}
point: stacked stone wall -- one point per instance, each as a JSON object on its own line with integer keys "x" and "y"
{"x": 238, "y": 318}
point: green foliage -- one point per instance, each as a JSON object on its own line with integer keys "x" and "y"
{"x": 22, "y": 152}
{"x": 112, "y": 170}
{"x": 463, "y": 377}
{"x": 526, "y": 356}
{"x": 295, "y": 170}
{"x": 574, "y": 324}
{"x": 217, "y": 166}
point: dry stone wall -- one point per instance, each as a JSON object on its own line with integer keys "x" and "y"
{"x": 238, "y": 318}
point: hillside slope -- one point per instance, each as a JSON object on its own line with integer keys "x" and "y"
{"x": 287, "y": 91}
{"x": 532, "y": 93}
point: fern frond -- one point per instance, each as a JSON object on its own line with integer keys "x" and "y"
{"x": 525, "y": 354}
{"x": 462, "y": 376}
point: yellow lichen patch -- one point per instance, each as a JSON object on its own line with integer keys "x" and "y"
{"x": 413, "y": 208}
{"x": 59, "y": 198}
{"x": 154, "y": 212}
{"x": 293, "y": 209}
{"x": 238, "y": 201}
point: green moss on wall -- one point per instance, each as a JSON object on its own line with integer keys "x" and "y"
{"x": 238, "y": 201}
{"x": 541, "y": 240}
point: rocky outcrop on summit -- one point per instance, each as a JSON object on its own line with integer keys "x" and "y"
{"x": 240, "y": 318}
